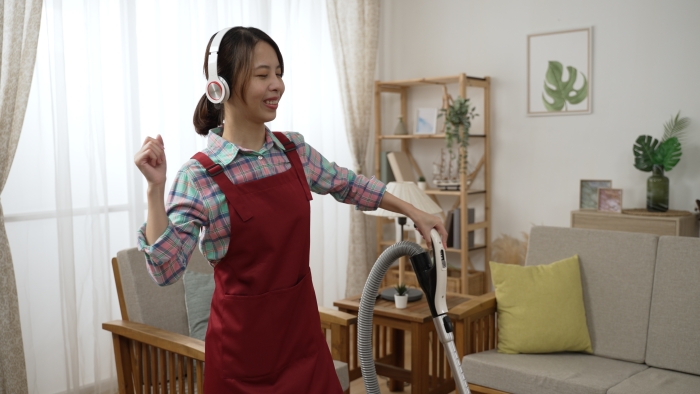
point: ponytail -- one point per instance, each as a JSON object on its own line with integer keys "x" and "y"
{"x": 206, "y": 116}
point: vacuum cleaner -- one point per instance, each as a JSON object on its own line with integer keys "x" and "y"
{"x": 432, "y": 277}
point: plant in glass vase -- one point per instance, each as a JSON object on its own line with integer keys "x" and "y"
{"x": 652, "y": 155}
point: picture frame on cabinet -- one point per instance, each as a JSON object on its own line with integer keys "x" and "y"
{"x": 553, "y": 59}
{"x": 588, "y": 194}
{"x": 426, "y": 121}
{"x": 610, "y": 200}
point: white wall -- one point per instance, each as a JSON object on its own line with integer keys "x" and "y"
{"x": 645, "y": 68}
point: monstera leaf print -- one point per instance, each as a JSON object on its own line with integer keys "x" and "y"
{"x": 562, "y": 92}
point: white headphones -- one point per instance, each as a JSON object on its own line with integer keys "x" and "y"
{"x": 217, "y": 89}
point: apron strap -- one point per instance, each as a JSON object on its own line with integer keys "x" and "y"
{"x": 216, "y": 171}
{"x": 296, "y": 162}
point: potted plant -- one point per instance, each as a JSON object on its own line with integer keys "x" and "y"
{"x": 652, "y": 155}
{"x": 421, "y": 183}
{"x": 401, "y": 296}
{"x": 458, "y": 119}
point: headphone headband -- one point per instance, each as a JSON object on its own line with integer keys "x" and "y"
{"x": 217, "y": 89}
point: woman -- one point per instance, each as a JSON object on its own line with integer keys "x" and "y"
{"x": 249, "y": 190}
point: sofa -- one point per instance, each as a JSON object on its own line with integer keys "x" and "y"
{"x": 641, "y": 295}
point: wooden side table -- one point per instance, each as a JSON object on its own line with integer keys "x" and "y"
{"x": 660, "y": 225}
{"x": 430, "y": 371}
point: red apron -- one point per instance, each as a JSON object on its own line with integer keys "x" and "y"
{"x": 264, "y": 333}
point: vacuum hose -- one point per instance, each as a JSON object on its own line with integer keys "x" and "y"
{"x": 431, "y": 274}
{"x": 369, "y": 296}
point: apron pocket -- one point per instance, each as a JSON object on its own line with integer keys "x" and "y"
{"x": 265, "y": 332}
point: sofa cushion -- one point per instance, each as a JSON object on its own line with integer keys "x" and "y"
{"x": 199, "y": 290}
{"x": 540, "y": 308}
{"x": 617, "y": 270}
{"x": 570, "y": 373}
{"x": 146, "y": 302}
{"x": 656, "y": 381}
{"x": 674, "y": 322}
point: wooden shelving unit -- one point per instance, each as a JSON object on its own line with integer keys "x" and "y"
{"x": 467, "y": 273}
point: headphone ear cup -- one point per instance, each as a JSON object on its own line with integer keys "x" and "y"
{"x": 217, "y": 90}
{"x": 226, "y": 90}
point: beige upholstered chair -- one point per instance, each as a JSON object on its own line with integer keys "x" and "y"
{"x": 152, "y": 346}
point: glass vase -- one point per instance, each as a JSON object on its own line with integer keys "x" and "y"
{"x": 657, "y": 190}
{"x": 400, "y": 127}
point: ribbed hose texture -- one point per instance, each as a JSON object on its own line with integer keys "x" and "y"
{"x": 369, "y": 296}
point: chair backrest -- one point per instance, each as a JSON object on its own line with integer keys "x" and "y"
{"x": 141, "y": 300}
{"x": 674, "y": 337}
{"x": 617, "y": 274}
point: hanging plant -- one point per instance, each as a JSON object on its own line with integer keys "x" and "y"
{"x": 458, "y": 119}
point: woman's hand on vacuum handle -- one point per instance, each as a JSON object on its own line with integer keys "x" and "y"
{"x": 424, "y": 221}
{"x": 150, "y": 160}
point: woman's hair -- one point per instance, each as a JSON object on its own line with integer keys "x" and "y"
{"x": 234, "y": 64}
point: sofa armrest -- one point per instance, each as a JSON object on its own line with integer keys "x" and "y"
{"x": 332, "y": 316}
{"x": 475, "y": 325}
{"x": 161, "y": 339}
{"x": 339, "y": 325}
{"x": 150, "y": 358}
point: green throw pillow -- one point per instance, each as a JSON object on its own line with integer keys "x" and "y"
{"x": 540, "y": 308}
{"x": 199, "y": 289}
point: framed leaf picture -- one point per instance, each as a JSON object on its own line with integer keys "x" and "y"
{"x": 559, "y": 73}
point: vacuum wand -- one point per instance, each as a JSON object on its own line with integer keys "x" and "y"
{"x": 432, "y": 277}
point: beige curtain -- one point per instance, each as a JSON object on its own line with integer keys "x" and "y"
{"x": 19, "y": 24}
{"x": 354, "y": 26}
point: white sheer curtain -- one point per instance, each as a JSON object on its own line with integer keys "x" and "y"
{"x": 107, "y": 74}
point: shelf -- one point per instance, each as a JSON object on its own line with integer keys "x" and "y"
{"x": 471, "y": 81}
{"x": 452, "y": 250}
{"x": 422, "y": 136}
{"x": 438, "y": 192}
{"x": 401, "y": 89}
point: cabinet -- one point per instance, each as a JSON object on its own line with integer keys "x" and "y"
{"x": 466, "y": 279}
{"x": 660, "y": 225}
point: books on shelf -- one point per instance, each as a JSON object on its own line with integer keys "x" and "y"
{"x": 401, "y": 166}
{"x": 452, "y": 224}
{"x": 386, "y": 174}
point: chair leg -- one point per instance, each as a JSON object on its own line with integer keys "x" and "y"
{"x": 123, "y": 361}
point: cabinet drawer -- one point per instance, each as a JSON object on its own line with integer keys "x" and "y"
{"x": 684, "y": 226}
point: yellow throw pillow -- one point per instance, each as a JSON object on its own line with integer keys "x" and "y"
{"x": 540, "y": 308}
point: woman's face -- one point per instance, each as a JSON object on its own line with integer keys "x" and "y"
{"x": 265, "y": 88}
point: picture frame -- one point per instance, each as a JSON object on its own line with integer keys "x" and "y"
{"x": 588, "y": 193}
{"x": 610, "y": 200}
{"x": 552, "y": 58}
{"x": 426, "y": 120}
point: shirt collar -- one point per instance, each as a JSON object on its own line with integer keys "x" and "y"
{"x": 224, "y": 152}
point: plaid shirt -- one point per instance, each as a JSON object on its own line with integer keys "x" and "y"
{"x": 195, "y": 200}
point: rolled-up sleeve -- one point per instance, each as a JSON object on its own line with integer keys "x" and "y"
{"x": 343, "y": 184}
{"x": 167, "y": 257}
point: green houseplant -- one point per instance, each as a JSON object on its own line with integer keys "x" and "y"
{"x": 652, "y": 155}
{"x": 458, "y": 119}
{"x": 401, "y": 296}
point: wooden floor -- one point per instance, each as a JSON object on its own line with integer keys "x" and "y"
{"x": 358, "y": 386}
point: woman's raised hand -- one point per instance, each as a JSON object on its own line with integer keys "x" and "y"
{"x": 150, "y": 160}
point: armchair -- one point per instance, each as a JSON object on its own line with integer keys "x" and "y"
{"x": 152, "y": 347}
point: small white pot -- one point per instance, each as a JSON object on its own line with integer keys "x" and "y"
{"x": 422, "y": 185}
{"x": 401, "y": 301}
